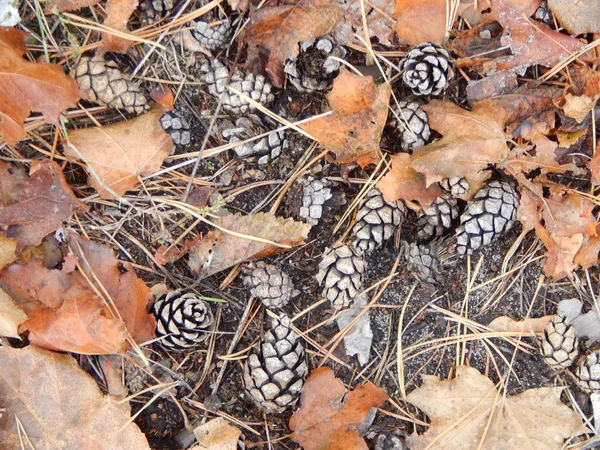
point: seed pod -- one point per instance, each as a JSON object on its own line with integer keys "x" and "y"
{"x": 427, "y": 69}
{"x": 422, "y": 261}
{"x": 455, "y": 186}
{"x": 317, "y": 196}
{"x": 412, "y": 124}
{"x": 560, "y": 345}
{"x": 177, "y": 127}
{"x": 437, "y": 218}
{"x": 587, "y": 372}
{"x": 154, "y": 10}
{"x": 213, "y": 36}
{"x": 266, "y": 149}
{"x": 267, "y": 282}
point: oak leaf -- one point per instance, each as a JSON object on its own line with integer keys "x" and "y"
{"x": 404, "y": 183}
{"x": 256, "y": 236}
{"x": 280, "y": 28}
{"x": 324, "y": 421}
{"x": 418, "y": 22}
{"x": 117, "y": 15}
{"x": 27, "y": 87}
{"x": 468, "y": 412}
{"x": 121, "y": 153}
{"x": 52, "y": 401}
{"x": 359, "y": 112}
{"x": 46, "y": 201}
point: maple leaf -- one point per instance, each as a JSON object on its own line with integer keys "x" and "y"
{"x": 121, "y": 153}
{"x": 469, "y": 413}
{"x": 27, "y": 87}
{"x": 46, "y": 201}
{"x": 66, "y": 415}
{"x": 256, "y": 236}
{"x": 378, "y": 18}
{"x": 404, "y": 183}
{"x": 418, "y": 22}
{"x": 354, "y": 128}
{"x": 576, "y": 17}
{"x": 117, "y": 15}
{"x": 472, "y": 140}
{"x": 280, "y": 28}
{"x": 324, "y": 421}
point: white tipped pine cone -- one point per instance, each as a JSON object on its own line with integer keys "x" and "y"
{"x": 213, "y": 36}
{"x": 422, "y": 261}
{"x": 268, "y": 283}
{"x": 275, "y": 370}
{"x": 587, "y": 372}
{"x": 266, "y": 149}
{"x": 376, "y": 221}
{"x": 177, "y": 127}
{"x": 455, "y": 186}
{"x": 492, "y": 212}
{"x": 560, "y": 345}
{"x": 154, "y": 10}
{"x": 314, "y": 68}
{"x": 341, "y": 272}
{"x": 437, "y": 218}
{"x": 427, "y": 69}
{"x": 317, "y": 196}
{"x": 411, "y": 122}
{"x": 182, "y": 320}
{"x": 215, "y": 74}
{"x": 102, "y": 82}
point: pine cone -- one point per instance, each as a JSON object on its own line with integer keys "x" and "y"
{"x": 102, "y": 82}
{"x": 427, "y": 69}
{"x": 341, "y": 271}
{"x": 560, "y": 345}
{"x": 314, "y": 68}
{"x": 387, "y": 441}
{"x": 177, "y": 127}
{"x": 317, "y": 196}
{"x": 422, "y": 261}
{"x": 587, "y": 372}
{"x": 268, "y": 283}
{"x": 455, "y": 186}
{"x": 211, "y": 36}
{"x": 154, "y": 10}
{"x": 412, "y": 124}
{"x": 266, "y": 149}
{"x": 182, "y": 321}
{"x": 376, "y": 221}
{"x": 492, "y": 211}
{"x": 437, "y": 217}
{"x": 215, "y": 75}
{"x": 275, "y": 370}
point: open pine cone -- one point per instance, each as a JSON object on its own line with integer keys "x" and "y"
{"x": 427, "y": 69}
{"x": 267, "y": 282}
{"x": 265, "y": 150}
{"x": 560, "y": 345}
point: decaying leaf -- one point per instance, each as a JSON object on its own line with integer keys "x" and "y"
{"x": 402, "y": 182}
{"x": 121, "y": 153}
{"x": 359, "y": 338}
{"x": 69, "y": 5}
{"x": 11, "y": 316}
{"x": 46, "y": 201}
{"x": 582, "y": 16}
{"x": 478, "y": 11}
{"x": 168, "y": 254}
{"x": 526, "y": 326}
{"x": 423, "y": 21}
{"x": 27, "y": 87}
{"x": 8, "y": 248}
{"x": 324, "y": 421}
{"x": 12, "y": 181}
{"x": 280, "y": 28}
{"x": 117, "y": 15}
{"x": 378, "y": 15}
{"x": 256, "y": 236}
{"x": 217, "y": 434}
{"x": 583, "y": 95}
{"x": 354, "y": 128}
{"x": 72, "y": 413}
{"x": 460, "y": 411}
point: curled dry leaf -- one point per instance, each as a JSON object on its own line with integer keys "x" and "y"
{"x": 324, "y": 421}
{"x": 27, "y": 87}
{"x": 46, "y": 201}
{"x": 280, "y": 28}
{"x": 52, "y": 401}
{"x": 117, "y": 15}
{"x": 359, "y": 112}
{"x": 468, "y": 413}
{"x": 423, "y": 21}
{"x": 256, "y": 236}
{"x": 121, "y": 153}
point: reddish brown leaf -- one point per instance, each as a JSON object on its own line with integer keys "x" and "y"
{"x": 354, "y": 128}
{"x": 163, "y": 95}
{"x": 422, "y": 21}
{"x": 280, "y": 28}
{"x": 583, "y": 95}
{"x": 256, "y": 238}
{"x": 166, "y": 254}
{"x": 323, "y": 421}
{"x": 12, "y": 181}
{"x": 27, "y": 87}
{"x": 117, "y": 15}
{"x": 45, "y": 203}
{"x": 594, "y": 165}
{"x": 403, "y": 183}
{"x": 123, "y": 152}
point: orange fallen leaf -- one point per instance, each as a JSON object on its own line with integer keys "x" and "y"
{"x": 27, "y": 87}
{"x": 163, "y": 95}
{"x": 354, "y": 128}
{"x": 257, "y": 236}
{"x": 526, "y": 326}
{"x": 11, "y": 316}
{"x": 581, "y": 98}
{"x": 404, "y": 183}
{"x": 117, "y": 15}
{"x": 46, "y": 201}
{"x": 69, "y": 5}
{"x": 168, "y": 254}
{"x": 422, "y": 21}
{"x": 67, "y": 414}
{"x": 594, "y": 165}
{"x": 121, "y": 153}
{"x": 324, "y": 421}
{"x": 280, "y": 28}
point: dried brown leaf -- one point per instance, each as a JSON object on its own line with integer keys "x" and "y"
{"x": 478, "y": 11}
{"x": 117, "y": 15}
{"x": 69, "y": 5}
{"x": 12, "y": 181}
{"x": 423, "y": 21}
{"x": 217, "y": 434}
{"x": 11, "y": 316}
{"x": 526, "y": 326}
{"x": 256, "y": 235}
{"x": 378, "y": 15}
{"x": 168, "y": 254}
{"x": 582, "y": 16}
{"x": 582, "y": 97}
{"x": 8, "y": 248}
